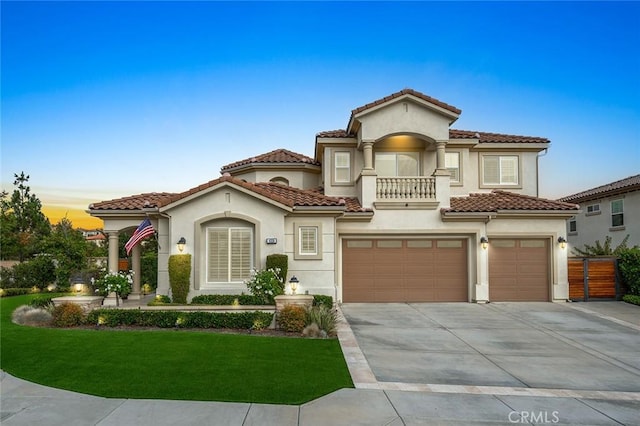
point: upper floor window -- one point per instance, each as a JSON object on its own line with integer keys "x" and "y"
{"x": 342, "y": 167}
{"x": 500, "y": 170}
{"x": 452, "y": 163}
{"x": 308, "y": 242}
{"x": 593, "y": 209}
{"x": 281, "y": 180}
{"x": 397, "y": 163}
{"x": 617, "y": 213}
{"x": 573, "y": 225}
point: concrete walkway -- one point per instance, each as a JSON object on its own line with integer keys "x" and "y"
{"x": 373, "y": 402}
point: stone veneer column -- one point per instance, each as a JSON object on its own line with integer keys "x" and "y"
{"x": 137, "y": 270}
{"x": 368, "y": 155}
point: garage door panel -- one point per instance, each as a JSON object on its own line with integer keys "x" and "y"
{"x": 397, "y": 270}
{"x": 519, "y": 270}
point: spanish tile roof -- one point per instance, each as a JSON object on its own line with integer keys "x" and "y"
{"x": 498, "y": 200}
{"x": 277, "y": 156}
{"x": 485, "y": 137}
{"x": 134, "y": 202}
{"x": 402, "y": 93}
{"x": 631, "y": 183}
{"x": 339, "y": 133}
{"x": 286, "y": 195}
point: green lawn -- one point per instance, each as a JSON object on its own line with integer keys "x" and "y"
{"x": 170, "y": 364}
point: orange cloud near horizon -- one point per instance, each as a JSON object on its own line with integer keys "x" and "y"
{"x": 78, "y": 217}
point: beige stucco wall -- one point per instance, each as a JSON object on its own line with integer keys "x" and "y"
{"x": 297, "y": 178}
{"x": 225, "y": 204}
{"x": 594, "y": 227}
{"x": 403, "y": 117}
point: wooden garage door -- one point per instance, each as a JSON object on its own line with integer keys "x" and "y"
{"x": 397, "y": 270}
{"x": 518, "y": 270}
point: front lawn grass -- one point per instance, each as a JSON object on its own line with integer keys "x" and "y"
{"x": 168, "y": 364}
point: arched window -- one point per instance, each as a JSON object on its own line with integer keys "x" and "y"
{"x": 280, "y": 180}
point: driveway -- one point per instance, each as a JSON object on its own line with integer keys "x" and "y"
{"x": 535, "y": 345}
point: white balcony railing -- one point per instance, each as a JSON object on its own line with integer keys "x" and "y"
{"x": 406, "y": 188}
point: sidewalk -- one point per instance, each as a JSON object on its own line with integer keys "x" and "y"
{"x": 371, "y": 403}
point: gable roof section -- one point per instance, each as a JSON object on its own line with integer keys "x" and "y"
{"x": 285, "y": 195}
{"x": 501, "y": 201}
{"x": 631, "y": 183}
{"x": 401, "y": 93}
{"x": 278, "y": 156}
{"x": 482, "y": 137}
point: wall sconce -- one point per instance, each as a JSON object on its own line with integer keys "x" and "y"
{"x": 562, "y": 242}
{"x": 293, "y": 282}
{"x": 484, "y": 242}
{"x": 181, "y": 243}
{"x": 78, "y": 287}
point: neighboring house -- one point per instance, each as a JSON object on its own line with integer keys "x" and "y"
{"x": 609, "y": 210}
{"x": 395, "y": 208}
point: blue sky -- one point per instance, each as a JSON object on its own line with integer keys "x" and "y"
{"x": 102, "y": 100}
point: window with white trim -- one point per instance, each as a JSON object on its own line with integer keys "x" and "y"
{"x": 397, "y": 163}
{"x": 308, "y": 241}
{"x": 593, "y": 209}
{"x": 452, "y": 164}
{"x": 573, "y": 225}
{"x": 500, "y": 170}
{"x": 617, "y": 213}
{"x": 229, "y": 254}
{"x": 342, "y": 167}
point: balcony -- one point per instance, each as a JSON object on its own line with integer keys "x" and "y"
{"x": 405, "y": 189}
{"x": 411, "y": 192}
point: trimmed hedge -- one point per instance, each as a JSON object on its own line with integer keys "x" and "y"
{"x": 632, "y": 298}
{"x": 226, "y": 299}
{"x": 168, "y": 319}
{"x": 280, "y": 261}
{"x": 7, "y": 292}
{"x": 179, "y": 276}
{"x": 320, "y": 300}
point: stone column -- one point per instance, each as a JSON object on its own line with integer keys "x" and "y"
{"x": 441, "y": 167}
{"x": 368, "y": 155}
{"x": 137, "y": 270}
{"x": 112, "y": 264}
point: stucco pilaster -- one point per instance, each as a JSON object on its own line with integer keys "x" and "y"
{"x": 441, "y": 167}
{"x": 367, "y": 146}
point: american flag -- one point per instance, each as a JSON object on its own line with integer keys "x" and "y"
{"x": 144, "y": 230}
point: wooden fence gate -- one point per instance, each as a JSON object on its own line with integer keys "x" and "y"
{"x": 593, "y": 278}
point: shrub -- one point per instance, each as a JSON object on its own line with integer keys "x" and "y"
{"x": 179, "y": 275}
{"x": 324, "y": 317}
{"x": 118, "y": 283}
{"x": 38, "y": 272}
{"x": 226, "y": 299}
{"x": 43, "y": 302}
{"x": 292, "y": 318}
{"x": 265, "y": 285}
{"x": 629, "y": 266}
{"x": 68, "y": 315}
{"x": 280, "y": 263}
{"x": 312, "y": 330}
{"x": 6, "y": 292}
{"x": 321, "y": 299}
{"x": 32, "y": 316}
{"x": 632, "y": 298}
{"x": 169, "y": 319}
{"x": 149, "y": 269}
{"x": 160, "y": 299}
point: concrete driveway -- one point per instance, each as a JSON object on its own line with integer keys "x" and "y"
{"x": 522, "y": 345}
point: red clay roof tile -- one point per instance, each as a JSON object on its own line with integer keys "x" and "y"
{"x": 406, "y": 92}
{"x": 631, "y": 183}
{"x": 483, "y": 137}
{"x": 502, "y": 200}
{"x": 277, "y": 156}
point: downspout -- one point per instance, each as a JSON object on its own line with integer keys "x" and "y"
{"x": 538, "y": 171}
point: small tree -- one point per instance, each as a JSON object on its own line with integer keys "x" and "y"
{"x": 69, "y": 248}
{"x": 629, "y": 265}
{"x": 23, "y": 225}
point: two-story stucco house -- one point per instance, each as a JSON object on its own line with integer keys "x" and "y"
{"x": 396, "y": 207}
{"x": 611, "y": 210}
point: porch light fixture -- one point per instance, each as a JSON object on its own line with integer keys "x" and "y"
{"x": 293, "y": 282}
{"x": 181, "y": 243}
{"x": 562, "y": 242}
{"x": 484, "y": 242}
{"x": 78, "y": 287}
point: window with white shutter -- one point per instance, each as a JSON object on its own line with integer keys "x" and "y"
{"x": 308, "y": 242}
{"x": 229, "y": 254}
{"x": 500, "y": 170}
{"x": 342, "y": 167}
{"x": 452, "y": 164}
